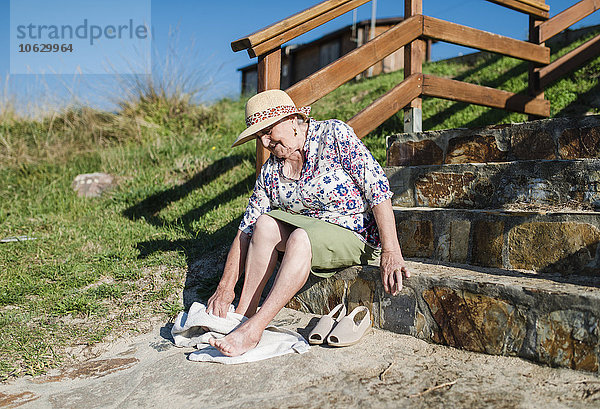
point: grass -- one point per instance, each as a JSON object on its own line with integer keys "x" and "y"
{"x": 101, "y": 267}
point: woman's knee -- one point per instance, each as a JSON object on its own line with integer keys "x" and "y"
{"x": 299, "y": 241}
{"x": 265, "y": 228}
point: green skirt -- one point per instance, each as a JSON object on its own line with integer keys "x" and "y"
{"x": 333, "y": 247}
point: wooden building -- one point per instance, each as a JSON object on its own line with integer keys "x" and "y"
{"x": 299, "y": 61}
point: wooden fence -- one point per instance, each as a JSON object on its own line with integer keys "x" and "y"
{"x": 266, "y": 45}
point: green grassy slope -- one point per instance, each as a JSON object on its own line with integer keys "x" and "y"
{"x": 99, "y": 267}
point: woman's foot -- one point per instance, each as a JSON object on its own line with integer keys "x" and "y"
{"x": 237, "y": 342}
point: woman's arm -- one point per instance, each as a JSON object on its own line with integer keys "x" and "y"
{"x": 392, "y": 265}
{"x": 220, "y": 301}
{"x": 370, "y": 178}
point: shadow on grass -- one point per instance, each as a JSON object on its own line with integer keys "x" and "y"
{"x": 149, "y": 207}
{"x": 444, "y": 115}
{"x": 581, "y": 105}
{"x": 202, "y": 277}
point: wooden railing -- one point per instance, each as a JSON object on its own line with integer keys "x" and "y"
{"x": 266, "y": 45}
{"x": 567, "y": 63}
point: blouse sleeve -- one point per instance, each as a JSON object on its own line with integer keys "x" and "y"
{"x": 360, "y": 164}
{"x": 258, "y": 204}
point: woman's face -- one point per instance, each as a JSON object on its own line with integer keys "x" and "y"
{"x": 279, "y": 138}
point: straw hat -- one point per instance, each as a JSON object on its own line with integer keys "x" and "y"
{"x": 266, "y": 108}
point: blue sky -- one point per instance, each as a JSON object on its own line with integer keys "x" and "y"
{"x": 196, "y": 34}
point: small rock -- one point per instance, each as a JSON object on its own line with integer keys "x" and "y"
{"x": 92, "y": 184}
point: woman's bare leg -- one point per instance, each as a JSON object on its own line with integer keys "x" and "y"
{"x": 261, "y": 260}
{"x": 292, "y": 274}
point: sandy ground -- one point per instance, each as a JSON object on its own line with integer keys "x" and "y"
{"x": 384, "y": 370}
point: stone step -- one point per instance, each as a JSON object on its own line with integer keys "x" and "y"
{"x": 571, "y": 183}
{"x": 560, "y": 138}
{"x": 551, "y": 320}
{"x": 546, "y": 242}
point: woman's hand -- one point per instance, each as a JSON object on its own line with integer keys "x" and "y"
{"x": 393, "y": 270}
{"x": 220, "y": 301}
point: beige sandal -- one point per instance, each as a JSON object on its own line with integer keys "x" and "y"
{"x": 323, "y": 327}
{"x": 347, "y": 332}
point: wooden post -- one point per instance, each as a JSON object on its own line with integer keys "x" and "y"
{"x": 269, "y": 77}
{"x": 535, "y": 88}
{"x": 414, "y": 53}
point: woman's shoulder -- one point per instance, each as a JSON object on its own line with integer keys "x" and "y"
{"x": 328, "y": 123}
{"x": 331, "y": 128}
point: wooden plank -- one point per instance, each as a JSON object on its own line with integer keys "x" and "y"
{"x": 483, "y": 40}
{"x": 300, "y": 29}
{"x": 534, "y": 87}
{"x": 537, "y": 4}
{"x": 281, "y": 26}
{"x": 347, "y": 67}
{"x": 523, "y": 8}
{"x": 569, "y": 62}
{"x": 480, "y": 95}
{"x": 414, "y": 53}
{"x": 386, "y": 105}
{"x": 269, "y": 77}
{"x": 566, "y": 19}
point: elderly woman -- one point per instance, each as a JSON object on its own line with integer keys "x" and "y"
{"x": 321, "y": 199}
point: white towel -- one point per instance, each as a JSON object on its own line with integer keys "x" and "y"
{"x": 196, "y": 327}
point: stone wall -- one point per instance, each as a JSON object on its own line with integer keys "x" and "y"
{"x": 502, "y": 314}
{"x": 574, "y": 184}
{"x": 560, "y": 138}
{"x": 565, "y": 243}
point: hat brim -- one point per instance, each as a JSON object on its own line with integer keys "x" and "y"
{"x": 250, "y": 132}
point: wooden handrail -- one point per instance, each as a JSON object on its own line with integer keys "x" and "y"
{"x": 566, "y": 19}
{"x": 529, "y": 7}
{"x": 387, "y": 105}
{"x": 305, "y": 27}
{"x": 480, "y": 95}
{"x": 328, "y": 78}
{"x": 286, "y": 24}
{"x": 569, "y": 62}
{"x": 540, "y": 4}
{"x": 470, "y": 37}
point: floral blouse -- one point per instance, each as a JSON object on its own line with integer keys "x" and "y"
{"x": 339, "y": 183}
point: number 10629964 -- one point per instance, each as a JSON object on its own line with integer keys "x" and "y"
{"x": 45, "y": 48}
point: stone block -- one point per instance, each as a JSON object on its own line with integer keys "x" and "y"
{"x": 563, "y": 247}
{"x": 587, "y": 191}
{"x": 398, "y": 313}
{"x": 488, "y": 240}
{"x": 459, "y": 240}
{"x": 442, "y": 245}
{"x": 475, "y": 322}
{"x": 416, "y": 238}
{"x": 474, "y": 149}
{"x": 413, "y": 153}
{"x": 527, "y": 144}
{"x": 438, "y": 189}
{"x": 319, "y": 296}
{"x": 576, "y": 143}
{"x": 403, "y": 197}
{"x": 401, "y": 186}
{"x": 568, "y": 339}
{"x": 360, "y": 292}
